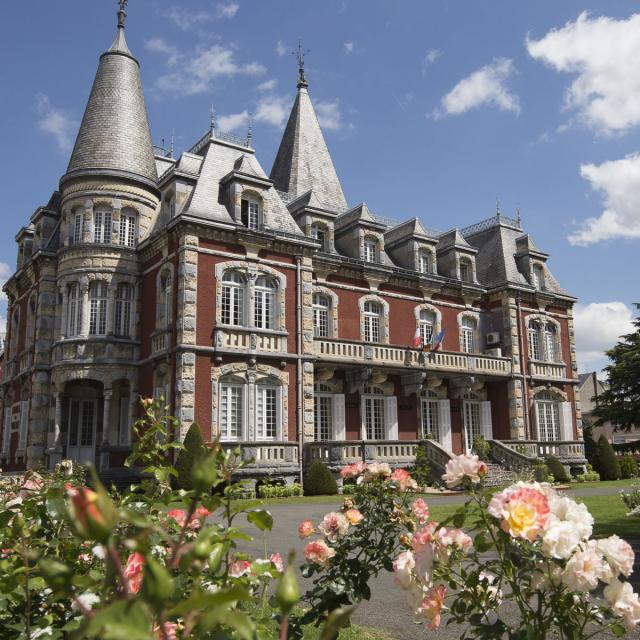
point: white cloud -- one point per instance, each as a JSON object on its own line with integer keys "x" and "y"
{"x": 198, "y": 72}
{"x": 273, "y": 110}
{"x": 329, "y": 115}
{"x": 267, "y": 85}
{"x": 55, "y": 122}
{"x": 430, "y": 57}
{"x": 161, "y": 46}
{"x": 281, "y": 48}
{"x": 486, "y": 86}
{"x": 619, "y": 183}
{"x": 186, "y": 19}
{"x": 348, "y": 47}
{"x": 233, "y": 121}
{"x": 598, "y": 326}
{"x": 601, "y": 53}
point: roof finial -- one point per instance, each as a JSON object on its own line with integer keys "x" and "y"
{"x": 300, "y": 54}
{"x": 173, "y": 132}
{"x": 498, "y": 208}
{"x": 518, "y": 218}
{"x": 249, "y": 131}
{"x": 122, "y": 14}
{"x": 212, "y": 123}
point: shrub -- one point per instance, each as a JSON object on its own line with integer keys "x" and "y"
{"x": 608, "y": 465}
{"x": 421, "y": 471}
{"x": 590, "y": 445}
{"x": 558, "y": 472}
{"x": 193, "y": 451}
{"x": 481, "y": 448}
{"x": 319, "y": 481}
{"x": 541, "y": 472}
{"x": 588, "y": 476}
{"x": 631, "y": 499}
{"x": 628, "y": 466}
{"x": 279, "y": 490}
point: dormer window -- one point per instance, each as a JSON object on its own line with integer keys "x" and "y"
{"x": 102, "y": 226}
{"x": 370, "y": 250}
{"x": 319, "y": 232}
{"x": 250, "y": 212}
{"x": 424, "y": 262}
{"x": 466, "y": 270}
{"x": 537, "y": 277}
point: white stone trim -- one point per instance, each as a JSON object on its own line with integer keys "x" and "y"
{"x": 333, "y": 310}
{"x": 384, "y": 320}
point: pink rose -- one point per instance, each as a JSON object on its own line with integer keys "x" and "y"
{"x": 353, "y": 470}
{"x": 278, "y": 562}
{"x": 133, "y": 572}
{"x": 420, "y": 510}
{"x": 333, "y": 526}
{"x": 353, "y": 516}
{"x": 403, "y": 480}
{"x": 423, "y": 536}
{"x": 170, "y": 631}
{"x": 585, "y": 567}
{"x": 179, "y": 515}
{"x": 318, "y": 552}
{"x": 432, "y": 605}
{"x": 402, "y": 568}
{"x": 306, "y": 529}
{"x": 461, "y": 467}
{"x": 377, "y": 471}
{"x": 523, "y": 511}
{"x": 239, "y": 568}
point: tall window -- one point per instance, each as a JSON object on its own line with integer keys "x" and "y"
{"x": 31, "y": 321}
{"x": 550, "y": 342}
{"x": 265, "y": 298}
{"x": 374, "y": 414}
{"x": 372, "y": 313}
{"x": 163, "y": 309}
{"x": 15, "y": 328}
{"x": 102, "y": 226}
{"x": 122, "y": 318}
{"x": 548, "y": 416}
{"x": 543, "y": 341}
{"x": 78, "y": 226}
{"x": 250, "y": 213}
{"x": 534, "y": 341}
{"x": 430, "y": 416}
{"x": 128, "y": 230}
{"x": 321, "y": 306}
{"x": 468, "y": 335}
{"x": 319, "y": 232}
{"x": 472, "y": 420}
{"x": 323, "y": 411}
{"x": 426, "y": 324}
{"x": 537, "y": 274}
{"x": 266, "y": 412}
{"x": 233, "y": 298}
{"x": 231, "y": 410}
{"x": 466, "y": 270}
{"x": 97, "y": 308}
{"x": 74, "y": 313}
{"x": 370, "y": 250}
{"x": 424, "y": 262}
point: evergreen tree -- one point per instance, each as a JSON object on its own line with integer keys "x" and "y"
{"x": 620, "y": 403}
{"x": 590, "y": 445}
{"x": 609, "y": 467}
{"x": 193, "y": 450}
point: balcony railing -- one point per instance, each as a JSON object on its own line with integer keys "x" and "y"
{"x": 565, "y": 451}
{"x": 337, "y": 454}
{"x": 343, "y": 350}
{"x": 265, "y": 458}
{"x": 238, "y": 339}
{"x": 547, "y": 369}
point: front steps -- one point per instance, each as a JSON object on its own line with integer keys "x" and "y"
{"x": 498, "y": 476}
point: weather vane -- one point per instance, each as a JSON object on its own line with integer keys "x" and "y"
{"x": 300, "y": 54}
{"x": 122, "y": 14}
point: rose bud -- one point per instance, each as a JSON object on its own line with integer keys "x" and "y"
{"x": 287, "y": 593}
{"x": 92, "y": 513}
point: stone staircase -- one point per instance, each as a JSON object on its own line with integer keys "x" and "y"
{"x": 499, "y": 476}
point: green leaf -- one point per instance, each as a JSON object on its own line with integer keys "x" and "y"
{"x": 210, "y": 600}
{"x": 261, "y": 518}
{"x": 618, "y": 630}
{"x": 123, "y": 619}
{"x": 482, "y": 543}
{"x": 338, "y": 619}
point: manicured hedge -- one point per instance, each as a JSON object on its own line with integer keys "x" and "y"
{"x": 608, "y": 465}
{"x": 319, "y": 481}
{"x": 558, "y": 472}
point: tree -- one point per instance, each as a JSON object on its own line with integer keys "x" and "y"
{"x": 609, "y": 467}
{"x": 620, "y": 403}
{"x": 193, "y": 451}
{"x": 590, "y": 445}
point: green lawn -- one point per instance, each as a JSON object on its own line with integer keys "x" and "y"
{"x": 619, "y": 484}
{"x": 609, "y": 513}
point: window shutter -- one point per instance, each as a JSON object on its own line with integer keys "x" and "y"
{"x": 363, "y": 418}
{"x": 24, "y": 423}
{"x": 6, "y": 434}
{"x": 536, "y": 421}
{"x": 566, "y": 428}
{"x": 339, "y": 426}
{"x": 444, "y": 417}
{"x": 485, "y": 420}
{"x": 391, "y": 417}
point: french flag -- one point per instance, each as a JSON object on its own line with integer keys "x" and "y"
{"x": 417, "y": 339}
{"x": 438, "y": 341}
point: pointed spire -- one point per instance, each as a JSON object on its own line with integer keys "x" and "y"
{"x": 114, "y": 137}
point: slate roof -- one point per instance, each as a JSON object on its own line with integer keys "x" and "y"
{"x": 303, "y": 162}
{"x": 412, "y": 228}
{"x": 114, "y": 137}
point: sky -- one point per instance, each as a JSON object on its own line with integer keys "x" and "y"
{"x": 442, "y": 110}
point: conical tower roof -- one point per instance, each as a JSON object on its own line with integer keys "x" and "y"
{"x": 114, "y": 137}
{"x": 303, "y": 162}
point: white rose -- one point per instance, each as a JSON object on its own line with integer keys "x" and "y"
{"x": 402, "y": 568}
{"x": 565, "y": 509}
{"x": 424, "y": 563}
{"x": 585, "y": 567}
{"x": 618, "y": 553}
{"x": 624, "y": 602}
{"x": 560, "y": 540}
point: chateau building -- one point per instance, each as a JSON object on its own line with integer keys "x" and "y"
{"x": 269, "y": 310}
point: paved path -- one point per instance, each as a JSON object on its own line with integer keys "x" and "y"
{"x": 387, "y": 608}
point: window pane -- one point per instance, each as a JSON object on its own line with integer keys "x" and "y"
{"x": 323, "y": 414}
{"x": 266, "y": 413}
{"x": 374, "y": 418}
{"x": 231, "y": 412}
{"x": 430, "y": 422}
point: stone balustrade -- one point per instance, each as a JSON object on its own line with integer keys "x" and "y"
{"x": 266, "y": 458}
{"x": 545, "y": 370}
{"x": 247, "y": 340}
{"x": 568, "y": 450}
{"x": 437, "y": 456}
{"x": 366, "y": 353}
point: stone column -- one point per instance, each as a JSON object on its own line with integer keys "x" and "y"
{"x": 55, "y": 446}
{"x": 64, "y": 321}
{"x": 106, "y": 427}
{"x": 111, "y": 307}
{"x": 84, "y": 324}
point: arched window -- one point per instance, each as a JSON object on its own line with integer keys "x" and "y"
{"x": 98, "y": 308}
{"x": 321, "y": 307}
{"x": 468, "y": 335}
{"x": 128, "y": 230}
{"x": 534, "y": 341}
{"x": 319, "y": 232}
{"x": 537, "y": 276}
{"x": 102, "y": 227}
{"x": 233, "y": 298}
{"x": 466, "y": 270}
{"x": 74, "y": 313}
{"x": 543, "y": 341}
{"x": 424, "y": 262}
{"x": 232, "y": 409}
{"x": 265, "y": 299}
{"x": 426, "y": 325}
{"x": 267, "y": 410}
{"x": 78, "y": 226}
{"x": 550, "y": 342}
{"x": 122, "y": 319}
{"x": 547, "y": 408}
{"x": 163, "y": 308}
{"x": 250, "y": 212}
{"x": 370, "y": 250}
{"x": 372, "y": 320}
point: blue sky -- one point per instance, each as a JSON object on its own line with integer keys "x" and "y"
{"x": 435, "y": 109}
